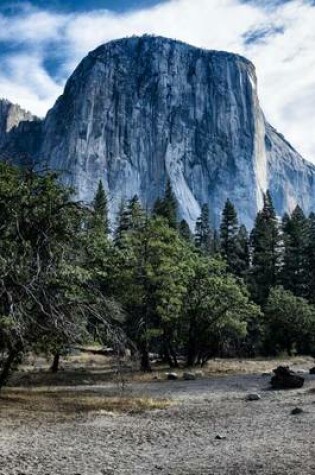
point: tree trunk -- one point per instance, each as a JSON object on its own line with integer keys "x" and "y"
{"x": 166, "y": 354}
{"x": 173, "y": 356}
{"x": 191, "y": 357}
{"x": 5, "y": 373}
{"x": 55, "y": 364}
{"x": 145, "y": 360}
{"x": 191, "y": 353}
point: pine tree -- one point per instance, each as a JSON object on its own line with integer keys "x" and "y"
{"x": 228, "y": 236}
{"x": 122, "y": 223}
{"x": 295, "y": 239}
{"x": 242, "y": 262}
{"x": 135, "y": 213}
{"x": 131, "y": 217}
{"x": 265, "y": 249}
{"x": 167, "y": 207}
{"x": 100, "y": 206}
{"x": 203, "y": 234}
{"x": 216, "y": 243}
{"x": 184, "y": 231}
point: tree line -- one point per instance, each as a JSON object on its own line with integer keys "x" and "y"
{"x": 149, "y": 284}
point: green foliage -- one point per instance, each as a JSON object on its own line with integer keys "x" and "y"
{"x": 47, "y": 290}
{"x": 64, "y": 280}
{"x": 203, "y": 233}
{"x": 290, "y": 323}
{"x": 228, "y": 235}
{"x": 184, "y": 231}
{"x": 242, "y": 261}
{"x": 217, "y": 310}
{"x": 266, "y": 257}
{"x": 131, "y": 217}
{"x": 99, "y": 221}
{"x": 167, "y": 207}
{"x": 295, "y": 238}
{"x": 152, "y": 279}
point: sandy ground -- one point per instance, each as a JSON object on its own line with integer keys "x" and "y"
{"x": 259, "y": 437}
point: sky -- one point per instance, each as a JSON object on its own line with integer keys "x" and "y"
{"x": 42, "y": 41}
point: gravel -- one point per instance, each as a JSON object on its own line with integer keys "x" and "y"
{"x": 209, "y": 429}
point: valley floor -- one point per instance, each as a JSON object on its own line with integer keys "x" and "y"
{"x": 202, "y": 427}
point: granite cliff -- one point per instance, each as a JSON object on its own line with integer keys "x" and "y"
{"x": 137, "y": 111}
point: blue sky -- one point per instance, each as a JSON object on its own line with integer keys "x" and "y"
{"x": 81, "y": 5}
{"x": 42, "y": 41}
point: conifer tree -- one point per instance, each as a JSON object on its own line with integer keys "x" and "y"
{"x": 135, "y": 213}
{"x": 123, "y": 223}
{"x": 167, "y": 207}
{"x": 216, "y": 243}
{"x": 295, "y": 239}
{"x": 265, "y": 249}
{"x": 228, "y": 236}
{"x": 242, "y": 253}
{"x": 131, "y": 217}
{"x": 184, "y": 231}
{"x": 203, "y": 234}
{"x": 100, "y": 206}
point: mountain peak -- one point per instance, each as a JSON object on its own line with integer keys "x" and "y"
{"x": 133, "y": 43}
{"x": 143, "y": 110}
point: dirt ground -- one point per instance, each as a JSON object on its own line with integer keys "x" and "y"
{"x": 202, "y": 427}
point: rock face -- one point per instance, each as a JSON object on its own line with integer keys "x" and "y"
{"x": 18, "y": 137}
{"x": 140, "y": 110}
{"x": 11, "y": 115}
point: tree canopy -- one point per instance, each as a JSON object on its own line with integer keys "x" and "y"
{"x": 65, "y": 278}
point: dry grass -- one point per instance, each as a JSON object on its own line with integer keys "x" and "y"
{"x": 88, "y": 369}
{"x": 254, "y": 366}
{"x": 62, "y": 405}
{"x": 217, "y": 367}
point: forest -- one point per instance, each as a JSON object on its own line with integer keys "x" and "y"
{"x": 69, "y": 277}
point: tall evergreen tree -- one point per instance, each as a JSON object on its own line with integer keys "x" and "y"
{"x": 184, "y": 231}
{"x": 122, "y": 223}
{"x": 151, "y": 282}
{"x": 135, "y": 213}
{"x": 242, "y": 262}
{"x": 203, "y": 233}
{"x": 265, "y": 249}
{"x": 100, "y": 207}
{"x": 228, "y": 236}
{"x": 216, "y": 243}
{"x": 167, "y": 207}
{"x": 295, "y": 239}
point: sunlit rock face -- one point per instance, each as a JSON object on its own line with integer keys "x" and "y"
{"x": 291, "y": 179}
{"x": 138, "y": 111}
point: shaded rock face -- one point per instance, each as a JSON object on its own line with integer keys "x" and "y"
{"x": 18, "y": 135}
{"x": 11, "y": 115}
{"x": 138, "y": 111}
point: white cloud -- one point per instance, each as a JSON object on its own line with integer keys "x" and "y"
{"x": 24, "y": 80}
{"x": 286, "y": 72}
{"x": 285, "y": 60}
